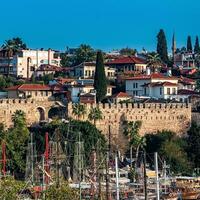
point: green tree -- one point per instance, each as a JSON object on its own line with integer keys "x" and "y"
{"x": 154, "y": 61}
{"x": 78, "y": 110}
{"x": 11, "y": 47}
{"x": 46, "y": 78}
{"x": 3, "y": 83}
{"x": 196, "y": 46}
{"x": 100, "y": 82}
{"x": 64, "y": 192}
{"x": 10, "y": 188}
{"x": 162, "y": 46}
{"x": 85, "y": 53}
{"x": 193, "y": 144}
{"x": 16, "y": 142}
{"x": 189, "y": 44}
{"x": 135, "y": 140}
{"x": 171, "y": 148}
{"x": 66, "y": 61}
{"x": 95, "y": 114}
{"x": 128, "y": 51}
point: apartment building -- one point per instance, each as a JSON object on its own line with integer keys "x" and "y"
{"x": 25, "y": 62}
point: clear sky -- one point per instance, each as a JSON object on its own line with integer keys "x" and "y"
{"x": 105, "y": 24}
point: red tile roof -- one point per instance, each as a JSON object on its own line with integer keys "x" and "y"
{"x": 158, "y": 84}
{"x": 64, "y": 80}
{"x": 121, "y": 95}
{"x": 152, "y": 76}
{"x": 187, "y": 92}
{"x": 46, "y": 67}
{"x": 29, "y": 87}
{"x": 187, "y": 80}
{"x": 127, "y": 60}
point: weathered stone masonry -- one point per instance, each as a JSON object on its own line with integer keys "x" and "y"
{"x": 154, "y": 116}
{"x": 35, "y": 110}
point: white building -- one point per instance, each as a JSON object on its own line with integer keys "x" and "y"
{"x": 87, "y": 70}
{"x": 25, "y": 62}
{"x": 154, "y": 85}
{"x": 83, "y": 86}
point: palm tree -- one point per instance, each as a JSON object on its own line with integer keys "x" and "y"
{"x": 154, "y": 61}
{"x": 11, "y": 47}
{"x": 78, "y": 110}
{"x": 19, "y": 118}
{"x": 85, "y": 53}
{"x": 135, "y": 140}
{"x": 95, "y": 114}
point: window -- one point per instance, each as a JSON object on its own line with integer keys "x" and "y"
{"x": 173, "y": 90}
{"x": 41, "y": 93}
{"x": 46, "y": 93}
{"x": 145, "y": 91}
{"x": 160, "y": 91}
{"x": 135, "y": 85}
{"x": 35, "y": 93}
{"x": 168, "y": 90}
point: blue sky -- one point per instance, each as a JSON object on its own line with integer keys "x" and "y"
{"x": 105, "y": 24}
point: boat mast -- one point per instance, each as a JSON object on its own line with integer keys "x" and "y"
{"x": 157, "y": 179}
{"x": 117, "y": 177}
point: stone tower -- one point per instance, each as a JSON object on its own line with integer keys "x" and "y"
{"x": 173, "y": 46}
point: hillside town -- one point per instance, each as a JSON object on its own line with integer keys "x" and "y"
{"x": 90, "y": 124}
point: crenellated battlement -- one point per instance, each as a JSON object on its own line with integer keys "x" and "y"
{"x": 21, "y": 101}
{"x": 111, "y": 106}
{"x": 154, "y": 116}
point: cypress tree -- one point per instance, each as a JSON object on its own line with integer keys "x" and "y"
{"x": 100, "y": 82}
{"x": 189, "y": 44}
{"x": 162, "y": 46}
{"x": 196, "y": 46}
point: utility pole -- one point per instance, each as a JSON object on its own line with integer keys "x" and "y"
{"x": 157, "y": 179}
{"x": 117, "y": 177}
{"x": 145, "y": 175}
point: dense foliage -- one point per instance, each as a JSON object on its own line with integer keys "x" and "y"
{"x": 128, "y": 51}
{"x": 189, "y": 44}
{"x": 89, "y": 135}
{"x": 64, "y": 192}
{"x": 171, "y": 148}
{"x": 196, "y": 46}
{"x": 10, "y": 188}
{"x": 100, "y": 82}
{"x": 162, "y": 46}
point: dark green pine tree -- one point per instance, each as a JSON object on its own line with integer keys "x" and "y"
{"x": 162, "y": 46}
{"x": 100, "y": 82}
{"x": 189, "y": 44}
{"x": 196, "y": 46}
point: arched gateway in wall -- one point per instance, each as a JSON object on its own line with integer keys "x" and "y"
{"x": 40, "y": 114}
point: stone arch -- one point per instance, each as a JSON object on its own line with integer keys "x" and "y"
{"x": 56, "y": 112}
{"x": 40, "y": 114}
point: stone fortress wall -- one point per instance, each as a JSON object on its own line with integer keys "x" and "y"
{"x": 154, "y": 117}
{"x": 35, "y": 111}
{"x": 176, "y": 117}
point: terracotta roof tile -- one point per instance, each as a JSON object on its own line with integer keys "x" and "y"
{"x": 121, "y": 95}
{"x": 30, "y": 87}
{"x": 152, "y": 76}
{"x": 127, "y": 60}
